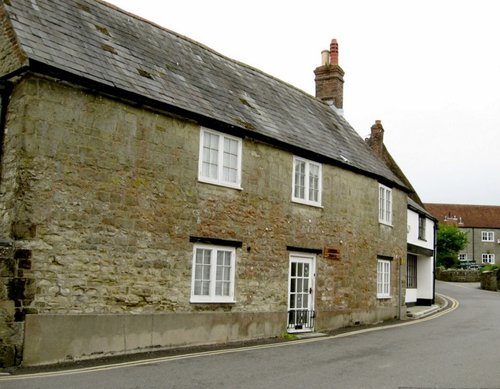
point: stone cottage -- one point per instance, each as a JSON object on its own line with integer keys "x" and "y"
{"x": 155, "y": 193}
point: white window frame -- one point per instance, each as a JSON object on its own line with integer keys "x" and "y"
{"x": 462, "y": 257}
{"x": 487, "y": 236}
{"x": 383, "y": 278}
{"x": 308, "y": 165}
{"x": 488, "y": 258}
{"x": 213, "y": 295}
{"x": 385, "y": 205}
{"x": 218, "y": 160}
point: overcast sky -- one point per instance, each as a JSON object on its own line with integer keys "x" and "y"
{"x": 428, "y": 69}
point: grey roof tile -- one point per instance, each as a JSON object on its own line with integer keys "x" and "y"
{"x": 186, "y": 74}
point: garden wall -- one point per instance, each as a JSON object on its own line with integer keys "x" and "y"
{"x": 490, "y": 280}
{"x": 457, "y": 275}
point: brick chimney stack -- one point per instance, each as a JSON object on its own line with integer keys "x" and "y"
{"x": 376, "y": 140}
{"x": 330, "y": 77}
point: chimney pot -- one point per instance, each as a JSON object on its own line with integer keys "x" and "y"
{"x": 325, "y": 58}
{"x": 334, "y": 52}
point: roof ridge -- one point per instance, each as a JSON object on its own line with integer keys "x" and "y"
{"x": 205, "y": 47}
{"x": 464, "y": 205}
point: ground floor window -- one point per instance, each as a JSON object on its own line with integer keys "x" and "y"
{"x": 488, "y": 258}
{"x": 411, "y": 271}
{"x": 213, "y": 274}
{"x": 383, "y": 278}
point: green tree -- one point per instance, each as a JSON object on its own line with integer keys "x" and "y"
{"x": 450, "y": 240}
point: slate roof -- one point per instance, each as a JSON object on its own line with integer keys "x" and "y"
{"x": 467, "y": 216}
{"x": 419, "y": 208}
{"x": 98, "y": 43}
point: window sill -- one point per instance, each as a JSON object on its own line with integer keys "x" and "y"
{"x": 385, "y": 224}
{"x": 384, "y": 297}
{"x": 304, "y": 202}
{"x": 202, "y": 301}
{"x": 217, "y": 183}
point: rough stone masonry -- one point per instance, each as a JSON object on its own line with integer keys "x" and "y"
{"x": 100, "y": 199}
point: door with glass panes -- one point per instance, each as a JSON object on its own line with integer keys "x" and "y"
{"x": 301, "y": 293}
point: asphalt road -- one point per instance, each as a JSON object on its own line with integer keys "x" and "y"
{"x": 460, "y": 349}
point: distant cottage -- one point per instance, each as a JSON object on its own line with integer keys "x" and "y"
{"x": 155, "y": 193}
{"x": 481, "y": 223}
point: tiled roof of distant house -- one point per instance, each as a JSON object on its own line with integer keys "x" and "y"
{"x": 474, "y": 216}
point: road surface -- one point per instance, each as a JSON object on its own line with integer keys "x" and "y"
{"x": 460, "y": 349}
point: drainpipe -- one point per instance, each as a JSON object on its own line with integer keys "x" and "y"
{"x": 473, "y": 246}
{"x": 400, "y": 287}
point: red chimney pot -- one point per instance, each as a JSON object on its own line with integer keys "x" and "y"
{"x": 334, "y": 52}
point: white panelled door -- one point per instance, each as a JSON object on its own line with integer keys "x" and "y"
{"x": 301, "y": 293}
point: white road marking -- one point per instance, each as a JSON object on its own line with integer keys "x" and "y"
{"x": 448, "y": 309}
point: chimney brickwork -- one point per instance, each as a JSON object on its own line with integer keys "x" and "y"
{"x": 376, "y": 140}
{"x": 330, "y": 77}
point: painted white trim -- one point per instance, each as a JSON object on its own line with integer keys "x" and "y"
{"x": 311, "y": 260}
{"x": 383, "y": 278}
{"x": 487, "y": 236}
{"x": 306, "y": 199}
{"x": 220, "y": 160}
{"x": 385, "y": 202}
{"x": 212, "y": 297}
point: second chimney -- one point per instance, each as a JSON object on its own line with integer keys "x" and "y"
{"x": 376, "y": 140}
{"x": 330, "y": 77}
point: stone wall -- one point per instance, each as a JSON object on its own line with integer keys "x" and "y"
{"x": 102, "y": 199}
{"x": 490, "y": 280}
{"x": 457, "y": 275}
{"x": 8, "y": 328}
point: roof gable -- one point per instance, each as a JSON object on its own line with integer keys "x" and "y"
{"x": 101, "y": 43}
{"x": 467, "y": 216}
{"x": 12, "y": 56}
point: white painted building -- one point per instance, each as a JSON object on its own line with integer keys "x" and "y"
{"x": 420, "y": 259}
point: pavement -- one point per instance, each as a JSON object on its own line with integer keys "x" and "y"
{"x": 419, "y": 311}
{"x": 412, "y": 313}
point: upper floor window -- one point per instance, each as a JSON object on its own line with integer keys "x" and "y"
{"x": 220, "y": 159}
{"x": 487, "y": 236}
{"x": 213, "y": 274}
{"x": 385, "y": 205}
{"x": 307, "y": 182}
{"x": 421, "y": 227}
{"x": 488, "y": 258}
